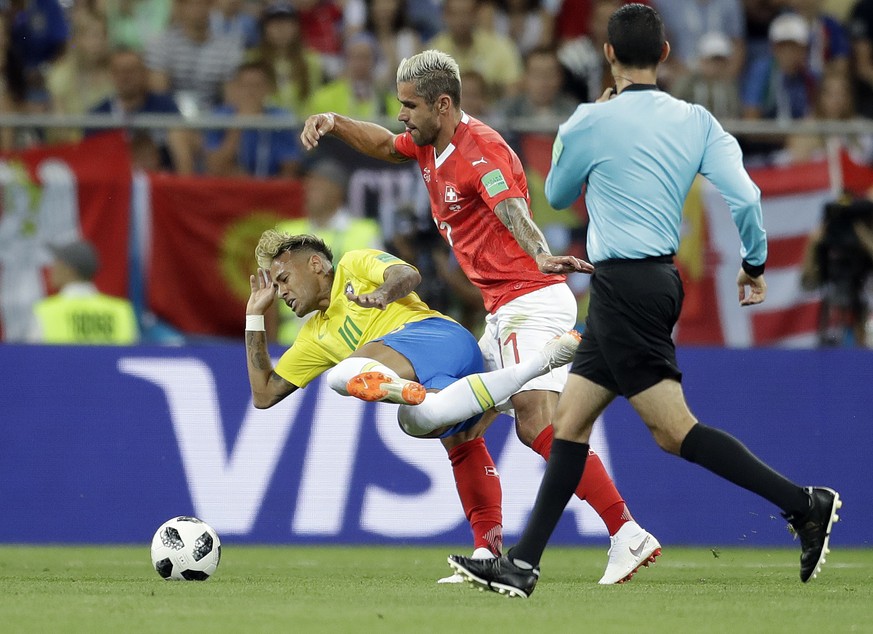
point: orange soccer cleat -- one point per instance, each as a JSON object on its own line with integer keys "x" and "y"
{"x": 376, "y": 386}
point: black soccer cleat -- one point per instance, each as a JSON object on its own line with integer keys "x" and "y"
{"x": 498, "y": 575}
{"x": 814, "y": 529}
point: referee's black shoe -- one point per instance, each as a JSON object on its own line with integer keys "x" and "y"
{"x": 499, "y": 575}
{"x": 814, "y": 529}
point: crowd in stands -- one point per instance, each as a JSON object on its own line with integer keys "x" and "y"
{"x": 530, "y": 60}
{"x": 521, "y": 60}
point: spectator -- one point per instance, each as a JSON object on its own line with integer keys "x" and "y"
{"x": 132, "y": 23}
{"x": 861, "y": 30}
{"x": 79, "y": 313}
{"x": 840, "y": 9}
{"x": 297, "y": 67}
{"x": 758, "y": 16}
{"x": 476, "y": 96}
{"x": 829, "y": 47}
{"x": 543, "y": 100}
{"x": 710, "y": 83}
{"x": 229, "y": 17}
{"x": 425, "y": 17}
{"x": 588, "y": 73}
{"x": 262, "y": 153}
{"x": 834, "y": 102}
{"x": 492, "y": 55}
{"x": 782, "y": 85}
{"x": 526, "y": 22}
{"x": 13, "y": 86}
{"x": 321, "y": 24}
{"x": 189, "y": 61}
{"x": 324, "y": 187}
{"x": 152, "y": 150}
{"x": 38, "y": 30}
{"x": 387, "y": 22}
{"x": 80, "y": 78}
{"x": 574, "y": 18}
{"x": 687, "y": 22}
{"x": 356, "y": 93}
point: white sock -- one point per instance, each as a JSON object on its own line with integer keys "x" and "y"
{"x": 467, "y": 397}
{"x": 338, "y": 377}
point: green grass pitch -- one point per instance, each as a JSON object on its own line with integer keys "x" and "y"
{"x": 393, "y": 589}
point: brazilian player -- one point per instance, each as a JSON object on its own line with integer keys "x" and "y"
{"x": 377, "y": 340}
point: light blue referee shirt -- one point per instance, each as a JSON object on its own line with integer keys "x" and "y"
{"x": 638, "y": 154}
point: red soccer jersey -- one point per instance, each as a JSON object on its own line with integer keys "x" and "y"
{"x": 474, "y": 173}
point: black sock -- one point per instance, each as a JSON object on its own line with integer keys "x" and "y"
{"x": 563, "y": 472}
{"x": 725, "y": 456}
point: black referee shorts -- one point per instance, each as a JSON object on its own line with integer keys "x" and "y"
{"x": 627, "y": 345}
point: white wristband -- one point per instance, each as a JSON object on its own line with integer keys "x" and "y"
{"x": 255, "y": 322}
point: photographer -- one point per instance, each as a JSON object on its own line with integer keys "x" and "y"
{"x": 839, "y": 260}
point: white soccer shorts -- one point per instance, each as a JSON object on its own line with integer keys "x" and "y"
{"x": 522, "y": 327}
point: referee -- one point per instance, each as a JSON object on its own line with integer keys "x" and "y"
{"x": 637, "y": 151}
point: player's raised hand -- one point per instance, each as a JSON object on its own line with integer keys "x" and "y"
{"x": 263, "y": 293}
{"x": 315, "y": 127}
{"x": 558, "y": 264}
{"x": 757, "y": 288}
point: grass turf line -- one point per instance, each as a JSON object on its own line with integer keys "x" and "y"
{"x": 390, "y": 589}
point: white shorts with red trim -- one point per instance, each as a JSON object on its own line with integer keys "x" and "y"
{"x": 522, "y": 327}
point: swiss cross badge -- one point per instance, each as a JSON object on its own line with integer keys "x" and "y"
{"x": 451, "y": 195}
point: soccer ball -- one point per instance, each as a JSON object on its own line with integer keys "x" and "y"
{"x": 186, "y": 548}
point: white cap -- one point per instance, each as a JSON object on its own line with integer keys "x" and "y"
{"x": 789, "y": 27}
{"x": 714, "y": 44}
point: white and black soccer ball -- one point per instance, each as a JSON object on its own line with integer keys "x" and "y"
{"x": 186, "y": 548}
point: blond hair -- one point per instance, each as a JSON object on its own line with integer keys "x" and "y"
{"x": 274, "y": 243}
{"x": 432, "y": 73}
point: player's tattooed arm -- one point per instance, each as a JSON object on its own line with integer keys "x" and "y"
{"x": 268, "y": 388}
{"x": 256, "y": 348}
{"x": 514, "y": 214}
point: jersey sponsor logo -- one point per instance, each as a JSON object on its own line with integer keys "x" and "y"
{"x": 350, "y": 290}
{"x": 479, "y": 162}
{"x": 451, "y": 195}
{"x": 494, "y": 183}
{"x": 425, "y": 174}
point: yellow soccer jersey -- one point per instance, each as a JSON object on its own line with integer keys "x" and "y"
{"x": 330, "y": 336}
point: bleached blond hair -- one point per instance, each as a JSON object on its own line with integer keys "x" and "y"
{"x": 432, "y": 73}
{"x": 274, "y": 243}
